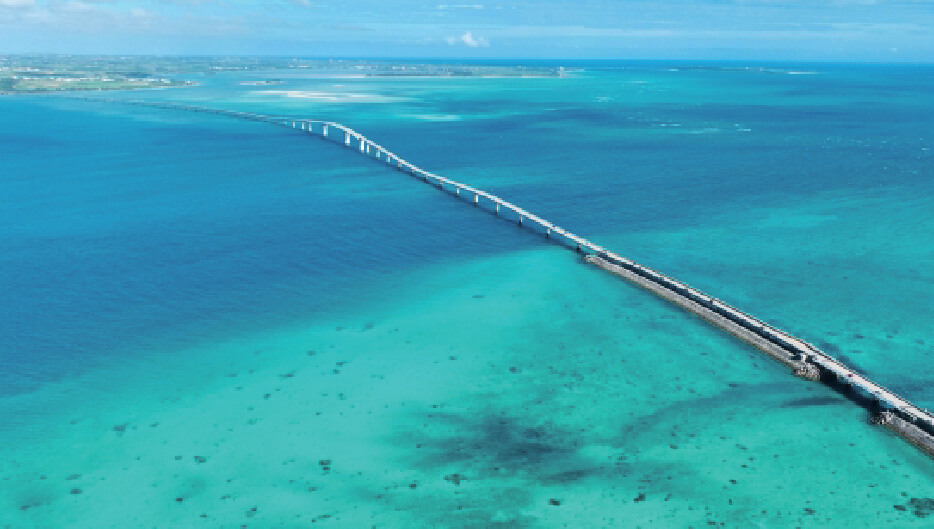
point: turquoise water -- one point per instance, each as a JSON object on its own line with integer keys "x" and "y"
{"x": 210, "y": 322}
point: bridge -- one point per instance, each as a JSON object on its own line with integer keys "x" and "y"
{"x": 911, "y": 422}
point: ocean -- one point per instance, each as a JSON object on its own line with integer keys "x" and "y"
{"x": 211, "y": 322}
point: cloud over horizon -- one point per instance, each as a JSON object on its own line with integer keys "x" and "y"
{"x": 467, "y": 39}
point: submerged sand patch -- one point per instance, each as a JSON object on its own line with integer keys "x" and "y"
{"x": 485, "y": 393}
{"x": 332, "y": 97}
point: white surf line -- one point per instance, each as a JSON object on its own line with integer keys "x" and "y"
{"x": 908, "y": 420}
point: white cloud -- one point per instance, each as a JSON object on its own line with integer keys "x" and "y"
{"x": 78, "y": 7}
{"x": 780, "y": 31}
{"x": 467, "y": 39}
{"x": 89, "y": 17}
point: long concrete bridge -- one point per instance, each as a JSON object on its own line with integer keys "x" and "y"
{"x": 913, "y": 423}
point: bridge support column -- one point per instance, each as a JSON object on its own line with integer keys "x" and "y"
{"x": 362, "y": 144}
{"x": 325, "y": 131}
{"x": 346, "y": 138}
{"x": 548, "y": 233}
{"x": 497, "y": 208}
{"x": 520, "y": 220}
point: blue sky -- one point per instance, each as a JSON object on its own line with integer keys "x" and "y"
{"x": 850, "y": 30}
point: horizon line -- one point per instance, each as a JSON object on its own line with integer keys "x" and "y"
{"x": 408, "y": 58}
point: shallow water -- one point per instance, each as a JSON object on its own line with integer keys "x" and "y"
{"x": 219, "y": 323}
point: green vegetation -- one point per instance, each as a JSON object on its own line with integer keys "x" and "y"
{"x": 57, "y": 73}
{"x": 45, "y": 73}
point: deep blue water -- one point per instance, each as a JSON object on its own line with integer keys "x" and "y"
{"x": 127, "y": 228}
{"x": 457, "y": 370}
{"x": 141, "y": 235}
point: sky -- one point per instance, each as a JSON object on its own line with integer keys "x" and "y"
{"x": 817, "y": 30}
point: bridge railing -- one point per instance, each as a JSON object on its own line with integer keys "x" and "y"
{"x": 370, "y": 148}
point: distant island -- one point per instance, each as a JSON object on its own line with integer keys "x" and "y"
{"x": 45, "y": 81}
{"x": 380, "y": 69}
{"x": 268, "y": 82}
{"x": 56, "y": 73}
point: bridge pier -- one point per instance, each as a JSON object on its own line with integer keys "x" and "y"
{"x": 905, "y": 429}
{"x": 912, "y": 423}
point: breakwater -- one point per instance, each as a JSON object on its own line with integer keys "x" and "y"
{"x": 887, "y": 408}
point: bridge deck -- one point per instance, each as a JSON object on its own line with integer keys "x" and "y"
{"x": 910, "y": 420}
